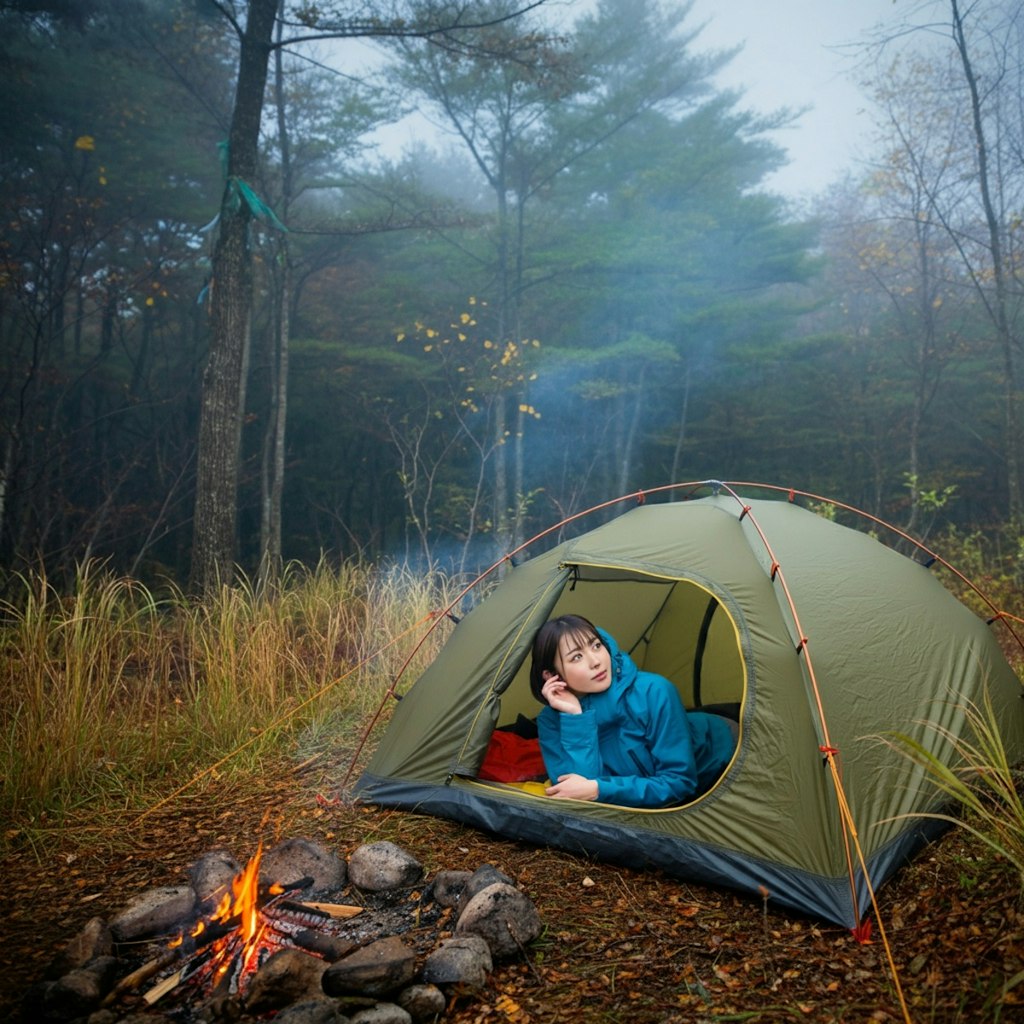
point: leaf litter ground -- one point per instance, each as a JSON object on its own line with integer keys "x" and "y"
{"x": 619, "y": 945}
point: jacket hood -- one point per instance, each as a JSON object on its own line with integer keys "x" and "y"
{"x": 624, "y": 670}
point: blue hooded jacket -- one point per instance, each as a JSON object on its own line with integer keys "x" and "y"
{"x": 636, "y": 739}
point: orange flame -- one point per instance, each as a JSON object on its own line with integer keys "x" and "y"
{"x": 242, "y": 902}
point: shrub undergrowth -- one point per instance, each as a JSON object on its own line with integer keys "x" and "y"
{"x": 971, "y": 770}
{"x": 995, "y": 567}
{"x": 111, "y": 695}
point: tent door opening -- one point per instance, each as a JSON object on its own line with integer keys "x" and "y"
{"x": 681, "y": 628}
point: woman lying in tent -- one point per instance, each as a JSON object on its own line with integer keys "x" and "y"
{"x": 612, "y": 733}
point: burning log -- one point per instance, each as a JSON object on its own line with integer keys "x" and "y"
{"x": 248, "y": 926}
{"x": 248, "y": 948}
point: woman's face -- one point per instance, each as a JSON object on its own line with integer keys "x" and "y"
{"x": 584, "y": 663}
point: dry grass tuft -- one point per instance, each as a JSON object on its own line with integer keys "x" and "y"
{"x": 110, "y": 697}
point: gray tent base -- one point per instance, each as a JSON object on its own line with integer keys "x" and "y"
{"x": 831, "y": 642}
{"x": 827, "y": 898}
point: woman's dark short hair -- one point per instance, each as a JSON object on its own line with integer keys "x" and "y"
{"x": 545, "y": 646}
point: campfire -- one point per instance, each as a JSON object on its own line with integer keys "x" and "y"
{"x": 224, "y": 950}
{"x": 237, "y": 943}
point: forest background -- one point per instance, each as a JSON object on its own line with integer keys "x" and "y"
{"x": 235, "y": 337}
{"x": 583, "y": 290}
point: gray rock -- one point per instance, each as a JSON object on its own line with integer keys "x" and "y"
{"x": 105, "y": 1017}
{"x": 111, "y": 1017}
{"x": 312, "y": 1011}
{"x": 92, "y": 941}
{"x": 212, "y": 874}
{"x": 79, "y": 992}
{"x": 449, "y": 887}
{"x": 295, "y": 859}
{"x": 462, "y": 960}
{"x": 422, "y": 1002}
{"x": 382, "y": 1013}
{"x": 376, "y": 970}
{"x": 485, "y": 875}
{"x": 503, "y": 916}
{"x": 377, "y": 867}
{"x": 289, "y": 976}
{"x": 154, "y": 912}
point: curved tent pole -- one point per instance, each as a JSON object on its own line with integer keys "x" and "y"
{"x": 851, "y": 838}
{"x": 998, "y": 614}
{"x": 640, "y": 497}
{"x": 830, "y": 753}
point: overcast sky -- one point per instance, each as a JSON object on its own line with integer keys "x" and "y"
{"x": 796, "y": 53}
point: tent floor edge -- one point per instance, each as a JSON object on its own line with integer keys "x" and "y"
{"x": 789, "y": 888}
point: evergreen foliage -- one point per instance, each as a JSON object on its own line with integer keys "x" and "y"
{"x": 598, "y": 207}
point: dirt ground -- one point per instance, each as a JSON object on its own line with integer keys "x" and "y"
{"x": 618, "y": 946}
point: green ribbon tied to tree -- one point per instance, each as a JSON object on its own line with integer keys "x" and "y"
{"x": 239, "y": 192}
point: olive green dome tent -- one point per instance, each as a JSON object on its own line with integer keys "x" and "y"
{"x": 823, "y": 636}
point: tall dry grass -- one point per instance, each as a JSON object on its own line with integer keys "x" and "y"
{"x": 111, "y": 694}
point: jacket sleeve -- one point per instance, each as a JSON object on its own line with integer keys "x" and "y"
{"x": 668, "y": 773}
{"x": 568, "y": 743}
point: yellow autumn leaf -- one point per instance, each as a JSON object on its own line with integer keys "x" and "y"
{"x": 86, "y": 142}
{"x": 401, "y": 336}
{"x": 431, "y": 333}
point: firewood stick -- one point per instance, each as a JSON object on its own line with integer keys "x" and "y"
{"x": 138, "y": 976}
{"x": 165, "y": 986}
{"x": 334, "y": 909}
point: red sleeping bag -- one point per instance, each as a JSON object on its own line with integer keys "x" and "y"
{"x": 512, "y": 758}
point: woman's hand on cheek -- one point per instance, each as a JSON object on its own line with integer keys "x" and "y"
{"x": 559, "y": 696}
{"x": 573, "y": 787}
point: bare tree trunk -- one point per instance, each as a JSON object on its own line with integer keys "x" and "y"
{"x": 6, "y": 469}
{"x": 274, "y": 437}
{"x": 681, "y": 433}
{"x": 502, "y": 534}
{"x": 272, "y": 482}
{"x": 502, "y": 504}
{"x": 630, "y": 432}
{"x": 518, "y": 478}
{"x": 216, "y": 512}
{"x": 998, "y": 310}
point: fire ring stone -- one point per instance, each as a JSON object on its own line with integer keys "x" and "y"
{"x": 377, "y": 867}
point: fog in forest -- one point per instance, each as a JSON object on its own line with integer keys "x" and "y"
{"x": 419, "y": 294}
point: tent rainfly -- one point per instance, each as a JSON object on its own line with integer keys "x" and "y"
{"x": 827, "y": 640}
